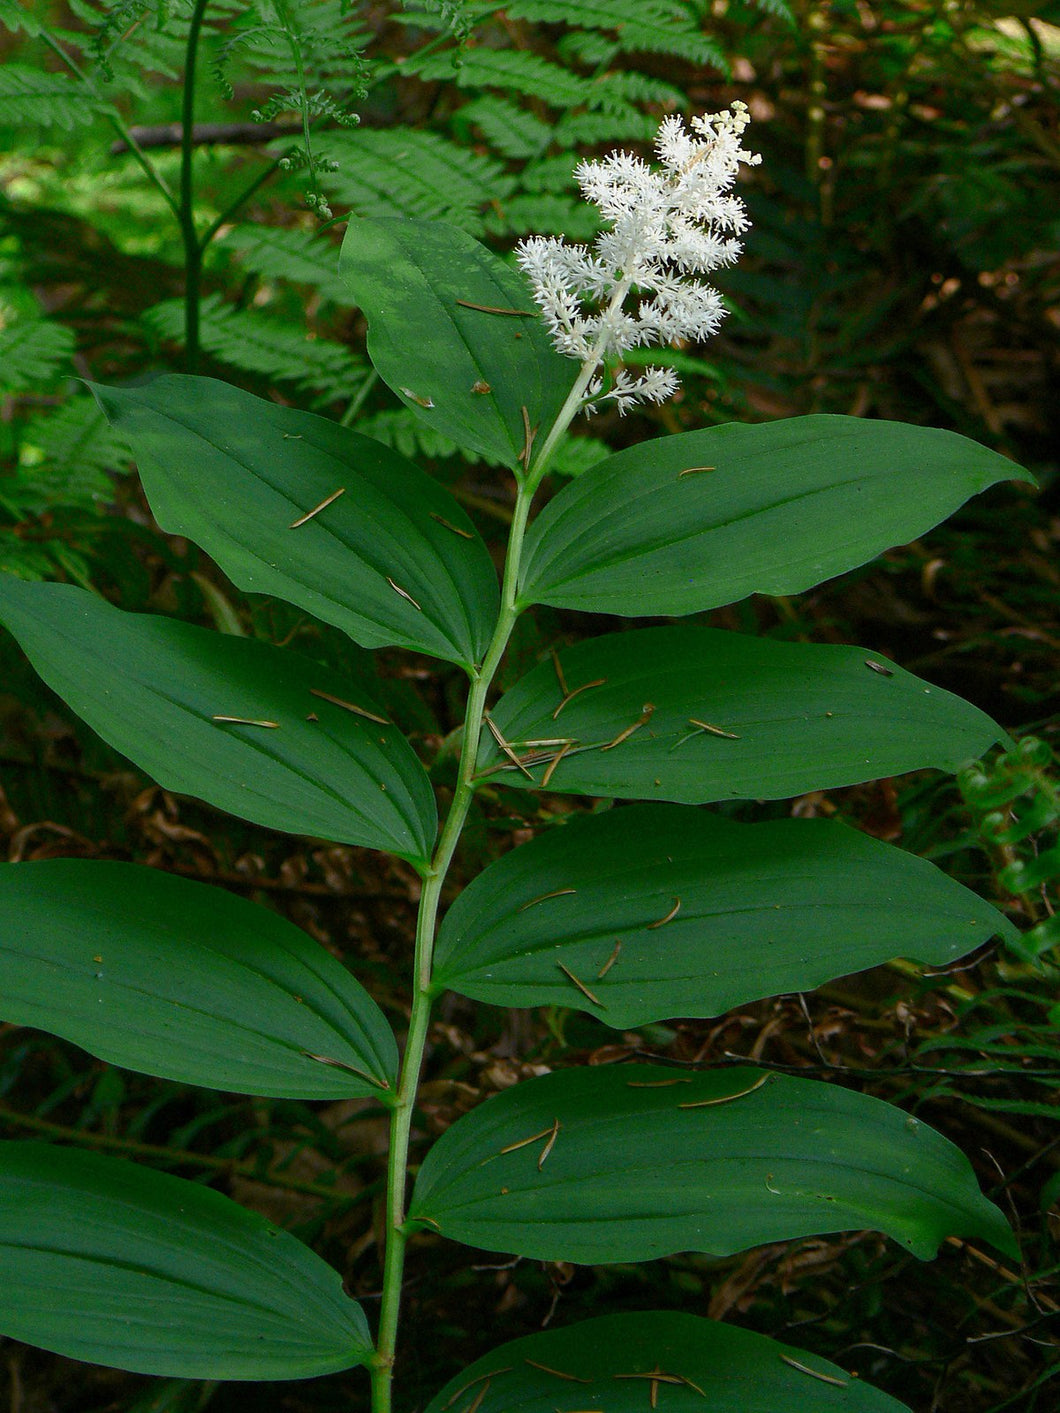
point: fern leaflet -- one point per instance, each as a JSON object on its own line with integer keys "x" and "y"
{"x": 32, "y": 351}
{"x": 269, "y": 347}
{"x": 71, "y": 450}
{"x": 509, "y": 129}
{"x": 505, "y": 69}
{"x": 280, "y": 253}
{"x": 15, "y": 16}
{"x": 34, "y": 97}
{"x": 409, "y": 173}
{"x": 648, "y": 26}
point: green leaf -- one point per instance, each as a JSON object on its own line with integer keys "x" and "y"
{"x": 761, "y": 909}
{"x": 466, "y": 372}
{"x": 261, "y": 343}
{"x": 632, "y": 1162}
{"x": 113, "y": 1263}
{"x": 783, "y": 717}
{"x": 33, "y": 351}
{"x": 33, "y": 96}
{"x": 392, "y": 561}
{"x": 612, "y": 1358}
{"x": 289, "y": 255}
{"x": 186, "y": 982}
{"x": 401, "y": 172}
{"x": 704, "y": 518}
{"x": 152, "y": 688}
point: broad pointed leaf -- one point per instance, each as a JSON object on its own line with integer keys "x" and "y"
{"x": 158, "y": 691}
{"x": 455, "y": 333}
{"x": 103, "y": 1260}
{"x": 186, "y": 982}
{"x": 722, "y": 716}
{"x": 685, "y": 523}
{"x": 392, "y": 560}
{"x": 664, "y": 910}
{"x": 631, "y": 1162}
{"x": 608, "y": 1363}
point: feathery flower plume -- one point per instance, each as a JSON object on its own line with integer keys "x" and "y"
{"x": 667, "y": 227}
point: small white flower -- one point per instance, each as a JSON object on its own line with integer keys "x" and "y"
{"x": 668, "y": 226}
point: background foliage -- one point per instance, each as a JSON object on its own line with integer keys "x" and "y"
{"x": 902, "y": 264}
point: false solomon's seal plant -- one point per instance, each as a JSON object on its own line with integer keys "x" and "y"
{"x": 635, "y": 913}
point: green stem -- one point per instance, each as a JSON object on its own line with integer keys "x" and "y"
{"x": 193, "y": 249}
{"x": 573, "y": 402}
{"x": 419, "y": 1021}
{"x": 303, "y": 95}
{"x": 434, "y": 878}
{"x": 244, "y": 196}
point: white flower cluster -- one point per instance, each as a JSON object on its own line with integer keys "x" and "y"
{"x": 668, "y": 225}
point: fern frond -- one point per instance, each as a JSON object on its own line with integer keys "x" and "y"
{"x": 35, "y": 98}
{"x": 589, "y": 47}
{"x": 622, "y": 88}
{"x": 457, "y": 16}
{"x": 264, "y": 345}
{"x": 541, "y": 213}
{"x": 384, "y": 172}
{"x": 507, "y": 69}
{"x": 15, "y": 15}
{"x": 280, "y": 253}
{"x": 602, "y": 14}
{"x": 639, "y": 26}
{"x": 132, "y": 42}
{"x": 510, "y": 130}
{"x": 549, "y": 174}
{"x": 618, "y": 124}
{"x": 578, "y": 453}
{"x": 68, "y": 453}
{"x": 779, "y": 9}
{"x": 410, "y": 436}
{"x": 330, "y": 38}
{"x": 32, "y": 351}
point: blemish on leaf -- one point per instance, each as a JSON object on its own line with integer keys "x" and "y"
{"x": 713, "y": 730}
{"x": 505, "y": 746}
{"x": 642, "y": 720}
{"x": 403, "y": 592}
{"x": 525, "y": 1142}
{"x": 805, "y": 1369}
{"x": 493, "y": 309}
{"x": 556, "y": 1373}
{"x": 529, "y": 433}
{"x": 558, "y": 893}
{"x": 481, "y": 386}
{"x": 727, "y": 1099}
{"x": 598, "y": 682}
{"x": 695, "y": 470}
{"x": 554, "y": 762}
{"x": 669, "y": 917}
{"x": 612, "y": 959}
{"x": 347, "y": 706}
{"x": 245, "y": 721}
{"x": 352, "y": 1069}
{"x": 464, "y": 534}
{"x": 328, "y": 500}
{"x": 581, "y": 986}
{"x": 553, "y": 1135}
